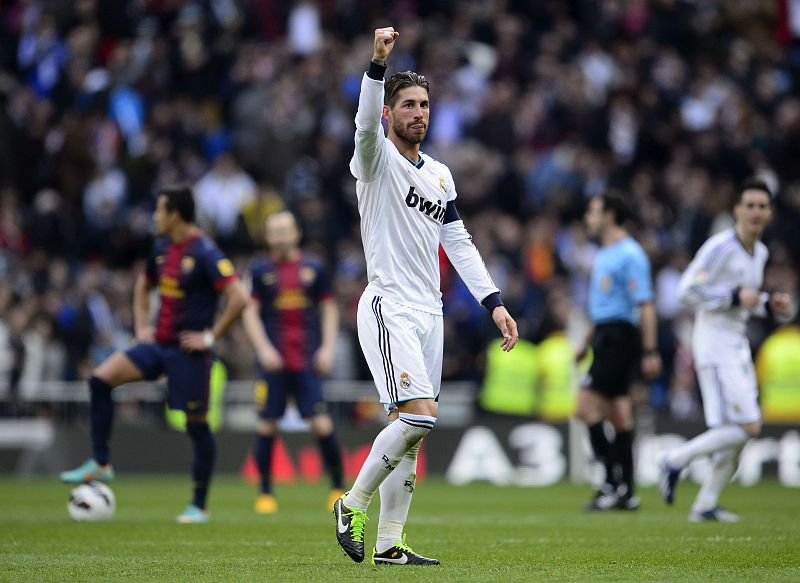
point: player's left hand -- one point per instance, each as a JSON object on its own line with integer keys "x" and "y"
{"x": 781, "y": 304}
{"x": 507, "y": 326}
{"x": 651, "y": 366}
{"x": 323, "y": 360}
{"x": 192, "y": 341}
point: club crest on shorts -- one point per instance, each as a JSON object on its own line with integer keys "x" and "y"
{"x": 405, "y": 380}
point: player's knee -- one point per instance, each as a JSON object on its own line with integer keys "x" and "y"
{"x": 426, "y": 407}
{"x": 621, "y": 422}
{"x": 106, "y": 374}
{"x": 582, "y": 414}
{"x": 196, "y": 420}
{"x": 321, "y": 425}
{"x": 586, "y": 413}
{"x": 116, "y": 370}
{"x": 267, "y": 427}
{"x": 197, "y": 430}
{"x": 98, "y": 386}
{"x": 753, "y": 429}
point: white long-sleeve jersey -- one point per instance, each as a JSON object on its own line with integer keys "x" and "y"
{"x": 721, "y": 266}
{"x": 403, "y": 207}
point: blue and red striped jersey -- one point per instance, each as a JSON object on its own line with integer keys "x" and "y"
{"x": 189, "y": 276}
{"x": 289, "y": 293}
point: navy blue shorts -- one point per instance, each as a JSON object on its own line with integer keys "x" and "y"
{"x": 273, "y": 390}
{"x": 188, "y": 373}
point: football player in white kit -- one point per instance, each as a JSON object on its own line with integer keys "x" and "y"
{"x": 723, "y": 282}
{"x": 407, "y": 204}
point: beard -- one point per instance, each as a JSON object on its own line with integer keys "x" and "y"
{"x": 405, "y": 134}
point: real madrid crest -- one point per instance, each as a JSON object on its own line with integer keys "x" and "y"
{"x": 442, "y": 184}
{"x": 405, "y": 380}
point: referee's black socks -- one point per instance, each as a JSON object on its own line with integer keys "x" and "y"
{"x": 623, "y": 444}
{"x": 602, "y": 450}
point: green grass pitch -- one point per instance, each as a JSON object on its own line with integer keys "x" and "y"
{"x": 479, "y": 532}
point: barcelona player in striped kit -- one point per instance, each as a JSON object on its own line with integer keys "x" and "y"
{"x": 292, "y": 324}
{"x": 191, "y": 274}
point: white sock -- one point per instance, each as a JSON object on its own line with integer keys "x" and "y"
{"x": 396, "y": 492}
{"x": 388, "y": 449}
{"x": 723, "y": 464}
{"x": 715, "y": 439}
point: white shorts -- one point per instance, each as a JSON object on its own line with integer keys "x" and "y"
{"x": 730, "y": 393}
{"x": 403, "y": 348}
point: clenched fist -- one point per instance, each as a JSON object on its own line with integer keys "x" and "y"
{"x": 384, "y": 42}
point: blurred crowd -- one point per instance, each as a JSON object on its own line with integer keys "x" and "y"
{"x": 536, "y": 106}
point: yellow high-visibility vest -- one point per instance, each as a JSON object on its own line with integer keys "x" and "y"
{"x": 778, "y": 369}
{"x": 510, "y": 383}
{"x": 557, "y": 378}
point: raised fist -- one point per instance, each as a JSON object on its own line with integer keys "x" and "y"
{"x": 384, "y": 42}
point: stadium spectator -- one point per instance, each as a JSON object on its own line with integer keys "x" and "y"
{"x": 221, "y": 194}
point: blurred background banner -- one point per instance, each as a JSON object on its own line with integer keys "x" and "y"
{"x": 469, "y": 445}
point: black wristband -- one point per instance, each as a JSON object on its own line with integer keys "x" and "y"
{"x": 735, "y": 297}
{"x": 649, "y": 351}
{"x": 376, "y": 71}
{"x": 768, "y": 307}
{"x": 492, "y": 301}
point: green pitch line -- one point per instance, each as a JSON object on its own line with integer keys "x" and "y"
{"x": 479, "y": 532}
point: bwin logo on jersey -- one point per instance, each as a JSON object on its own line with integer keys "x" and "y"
{"x": 434, "y": 210}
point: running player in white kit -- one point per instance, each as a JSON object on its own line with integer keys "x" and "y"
{"x": 407, "y": 204}
{"x": 723, "y": 282}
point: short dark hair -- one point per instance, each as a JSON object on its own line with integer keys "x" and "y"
{"x": 617, "y": 202}
{"x": 753, "y": 183}
{"x": 400, "y": 81}
{"x": 179, "y": 198}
